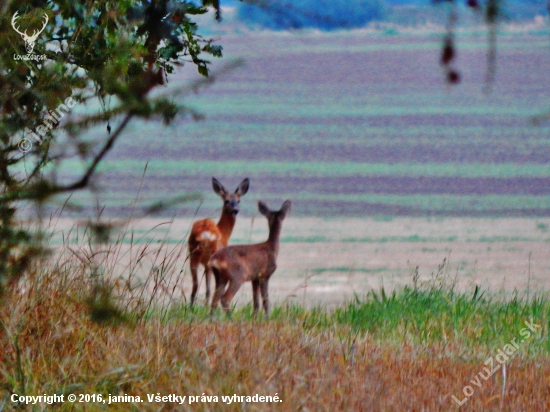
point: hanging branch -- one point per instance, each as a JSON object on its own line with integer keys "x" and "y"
{"x": 492, "y": 13}
{"x": 448, "y": 53}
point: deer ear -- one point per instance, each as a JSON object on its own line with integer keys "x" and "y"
{"x": 242, "y": 188}
{"x": 218, "y": 187}
{"x": 285, "y": 208}
{"x": 262, "y": 207}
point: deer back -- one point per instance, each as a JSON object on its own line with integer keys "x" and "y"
{"x": 245, "y": 262}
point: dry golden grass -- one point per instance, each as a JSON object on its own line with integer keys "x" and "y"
{"x": 74, "y": 325}
{"x": 51, "y": 345}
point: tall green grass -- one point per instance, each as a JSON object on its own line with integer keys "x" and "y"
{"x": 423, "y": 316}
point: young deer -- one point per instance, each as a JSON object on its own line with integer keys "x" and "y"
{"x": 241, "y": 263}
{"x": 207, "y": 237}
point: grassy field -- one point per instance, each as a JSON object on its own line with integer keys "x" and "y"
{"x": 67, "y": 329}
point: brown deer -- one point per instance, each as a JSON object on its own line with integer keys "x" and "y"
{"x": 242, "y": 263}
{"x": 207, "y": 237}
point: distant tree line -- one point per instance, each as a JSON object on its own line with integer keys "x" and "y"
{"x": 342, "y": 14}
{"x": 321, "y": 14}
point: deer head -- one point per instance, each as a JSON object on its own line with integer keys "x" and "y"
{"x": 29, "y": 40}
{"x": 231, "y": 200}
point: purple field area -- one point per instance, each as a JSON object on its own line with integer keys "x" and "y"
{"x": 350, "y": 124}
{"x": 388, "y": 168}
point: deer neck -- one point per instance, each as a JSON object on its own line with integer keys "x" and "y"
{"x": 274, "y": 235}
{"x": 226, "y": 224}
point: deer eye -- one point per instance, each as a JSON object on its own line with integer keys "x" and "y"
{"x": 226, "y": 202}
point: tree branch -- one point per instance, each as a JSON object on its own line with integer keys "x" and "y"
{"x": 83, "y": 182}
{"x": 79, "y": 184}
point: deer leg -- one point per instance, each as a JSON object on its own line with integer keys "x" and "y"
{"x": 220, "y": 287}
{"x": 194, "y": 264}
{"x": 256, "y": 295}
{"x": 232, "y": 289}
{"x": 265, "y": 296}
{"x": 207, "y": 276}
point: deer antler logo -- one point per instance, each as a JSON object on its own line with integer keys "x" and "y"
{"x": 29, "y": 40}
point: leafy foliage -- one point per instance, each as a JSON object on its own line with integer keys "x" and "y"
{"x": 112, "y": 51}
